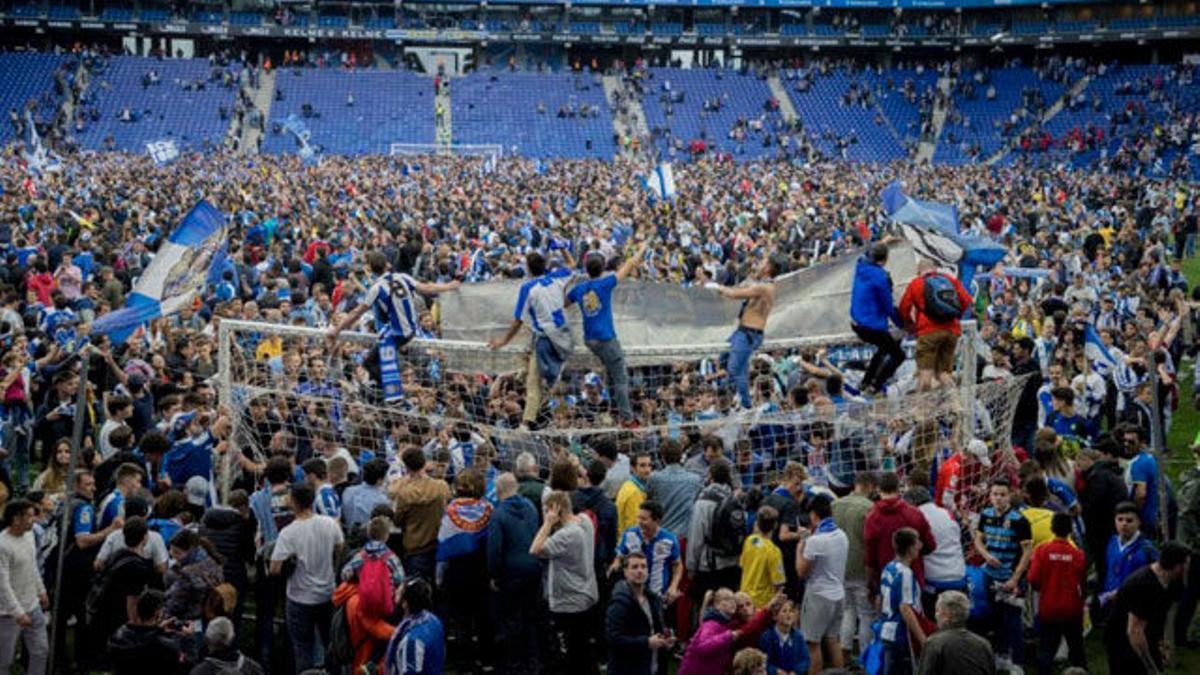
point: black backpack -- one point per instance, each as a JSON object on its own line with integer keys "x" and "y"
{"x": 941, "y": 299}
{"x": 102, "y": 596}
{"x": 728, "y": 527}
{"x": 341, "y": 645}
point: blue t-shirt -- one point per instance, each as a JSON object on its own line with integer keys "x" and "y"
{"x": 1144, "y": 469}
{"x": 83, "y": 519}
{"x": 1061, "y": 491}
{"x": 897, "y": 587}
{"x": 190, "y": 457}
{"x": 1125, "y": 560}
{"x": 110, "y": 508}
{"x": 594, "y": 298}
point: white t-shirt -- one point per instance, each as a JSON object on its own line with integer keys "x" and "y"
{"x": 106, "y": 448}
{"x": 946, "y": 562}
{"x": 312, "y": 541}
{"x": 827, "y": 551}
{"x": 155, "y": 549}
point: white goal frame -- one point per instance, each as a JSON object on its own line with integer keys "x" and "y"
{"x": 494, "y": 150}
{"x": 231, "y": 394}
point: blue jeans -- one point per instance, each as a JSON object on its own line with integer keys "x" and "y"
{"x": 613, "y": 357}
{"x": 741, "y": 347}
{"x": 897, "y": 659}
{"x": 1008, "y": 631}
{"x": 548, "y": 360}
{"x": 304, "y": 623}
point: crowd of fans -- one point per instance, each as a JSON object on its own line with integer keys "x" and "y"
{"x": 434, "y": 546}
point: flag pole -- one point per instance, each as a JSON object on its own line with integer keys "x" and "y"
{"x": 1157, "y": 445}
{"x": 69, "y": 486}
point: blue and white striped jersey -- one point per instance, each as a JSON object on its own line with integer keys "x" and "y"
{"x": 328, "y": 503}
{"x": 392, "y": 297}
{"x": 540, "y": 301}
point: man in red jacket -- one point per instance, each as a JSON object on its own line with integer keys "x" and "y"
{"x": 886, "y": 516}
{"x": 1058, "y": 573}
{"x": 937, "y": 336}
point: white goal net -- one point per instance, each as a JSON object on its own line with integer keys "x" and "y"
{"x": 489, "y": 150}
{"x": 463, "y": 406}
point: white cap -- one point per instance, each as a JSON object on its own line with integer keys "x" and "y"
{"x": 980, "y": 450}
{"x": 196, "y": 490}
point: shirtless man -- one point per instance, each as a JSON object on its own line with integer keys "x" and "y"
{"x": 757, "y": 301}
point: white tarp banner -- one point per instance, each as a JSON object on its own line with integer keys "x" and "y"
{"x": 662, "y": 317}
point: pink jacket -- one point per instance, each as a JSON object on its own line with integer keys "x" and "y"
{"x": 711, "y": 650}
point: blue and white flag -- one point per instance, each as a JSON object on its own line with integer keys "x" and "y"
{"x": 38, "y": 158}
{"x": 175, "y": 275}
{"x": 463, "y": 530}
{"x": 1096, "y": 351}
{"x": 661, "y": 183}
{"x": 299, "y": 129}
{"x": 163, "y": 152}
{"x": 932, "y": 229}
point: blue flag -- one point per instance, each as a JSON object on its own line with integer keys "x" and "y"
{"x": 175, "y": 275}
{"x": 1102, "y": 360}
{"x": 932, "y": 229}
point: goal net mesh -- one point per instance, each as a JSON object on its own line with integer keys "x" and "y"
{"x": 493, "y": 150}
{"x": 463, "y": 406}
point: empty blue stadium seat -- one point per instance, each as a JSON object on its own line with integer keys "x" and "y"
{"x": 505, "y": 112}
{"x": 25, "y": 77}
{"x": 117, "y": 14}
{"x": 245, "y": 18}
{"x": 62, "y": 12}
{"x": 208, "y": 17}
{"x": 154, "y": 15}
{"x": 167, "y": 111}
{"x": 390, "y": 107}
{"x": 743, "y": 96}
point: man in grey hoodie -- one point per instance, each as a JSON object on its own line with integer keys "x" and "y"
{"x": 709, "y": 569}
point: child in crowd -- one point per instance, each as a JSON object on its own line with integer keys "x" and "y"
{"x": 787, "y": 654}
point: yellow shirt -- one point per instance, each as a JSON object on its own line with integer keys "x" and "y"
{"x": 762, "y": 569}
{"x": 629, "y": 500}
{"x": 269, "y": 349}
{"x": 1039, "y": 524}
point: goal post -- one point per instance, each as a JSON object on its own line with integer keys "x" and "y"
{"x": 463, "y": 406}
{"x": 491, "y": 150}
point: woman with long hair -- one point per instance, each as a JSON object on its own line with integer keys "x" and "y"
{"x": 195, "y": 573}
{"x": 53, "y": 480}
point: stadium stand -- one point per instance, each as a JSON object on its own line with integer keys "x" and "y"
{"x": 167, "y": 110}
{"x": 390, "y": 107}
{"x": 503, "y": 108}
{"x": 26, "y": 77}
{"x": 742, "y": 98}
{"x": 984, "y": 122}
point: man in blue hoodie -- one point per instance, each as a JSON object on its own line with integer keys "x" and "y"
{"x": 871, "y": 306}
{"x": 515, "y": 575}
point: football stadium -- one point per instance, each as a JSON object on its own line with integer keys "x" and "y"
{"x": 636, "y": 338}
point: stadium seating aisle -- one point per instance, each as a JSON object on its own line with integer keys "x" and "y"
{"x": 389, "y": 107}
{"x": 826, "y": 118}
{"x": 166, "y": 110}
{"x": 502, "y": 107}
{"x": 983, "y": 119}
{"x": 34, "y": 77}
